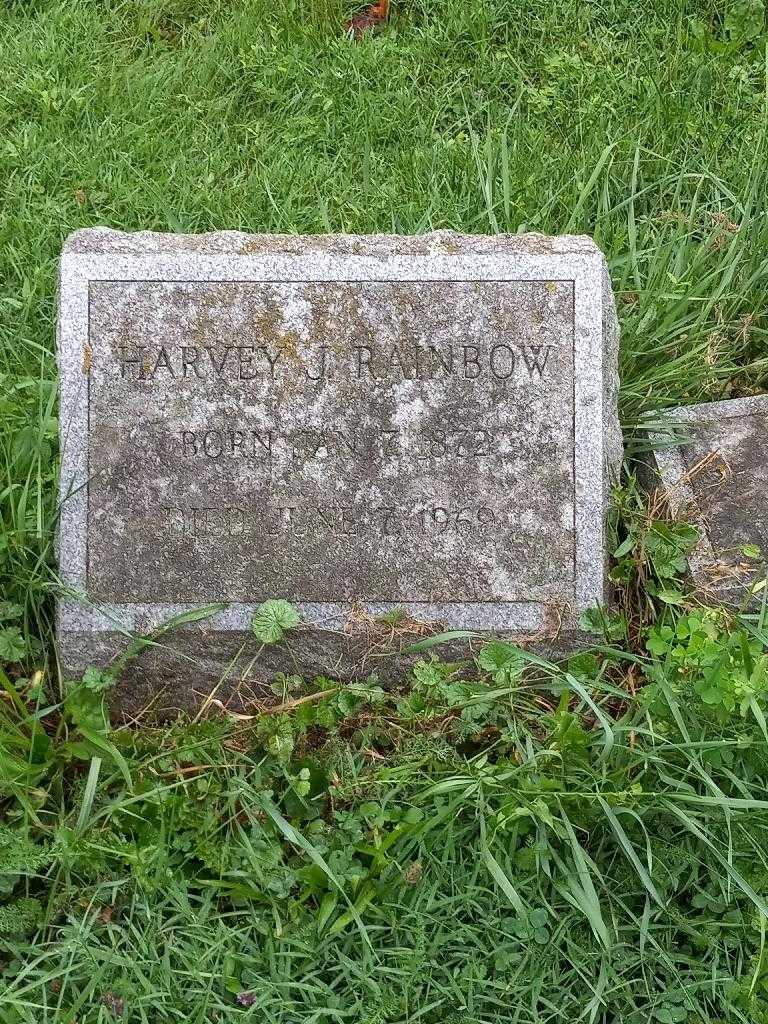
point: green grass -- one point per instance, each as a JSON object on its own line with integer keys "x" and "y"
{"x": 608, "y": 867}
{"x": 527, "y": 848}
{"x": 642, "y": 124}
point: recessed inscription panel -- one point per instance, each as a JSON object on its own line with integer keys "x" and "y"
{"x": 391, "y": 441}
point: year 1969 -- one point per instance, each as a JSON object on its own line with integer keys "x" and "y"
{"x": 438, "y": 519}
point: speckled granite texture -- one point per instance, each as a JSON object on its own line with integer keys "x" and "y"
{"x": 355, "y": 424}
{"x": 717, "y": 479}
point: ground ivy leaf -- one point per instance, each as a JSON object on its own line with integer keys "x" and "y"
{"x": 272, "y": 619}
{"x": 13, "y": 646}
{"x": 712, "y": 696}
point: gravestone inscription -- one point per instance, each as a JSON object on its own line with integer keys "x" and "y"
{"x": 354, "y": 424}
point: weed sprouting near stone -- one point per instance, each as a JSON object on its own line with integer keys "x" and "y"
{"x": 490, "y": 841}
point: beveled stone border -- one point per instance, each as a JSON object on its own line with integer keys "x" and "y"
{"x": 585, "y": 269}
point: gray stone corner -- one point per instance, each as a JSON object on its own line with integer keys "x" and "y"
{"x": 709, "y": 469}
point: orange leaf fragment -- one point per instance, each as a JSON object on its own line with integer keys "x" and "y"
{"x": 372, "y": 18}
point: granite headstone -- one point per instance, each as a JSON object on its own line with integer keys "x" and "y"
{"x": 359, "y": 425}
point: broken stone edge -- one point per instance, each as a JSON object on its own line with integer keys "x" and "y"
{"x": 88, "y": 633}
{"x": 680, "y": 496}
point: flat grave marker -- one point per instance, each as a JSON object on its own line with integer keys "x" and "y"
{"x": 349, "y": 423}
{"x": 718, "y": 480}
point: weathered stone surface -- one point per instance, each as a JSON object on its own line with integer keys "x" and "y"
{"x": 718, "y": 480}
{"x": 355, "y": 424}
